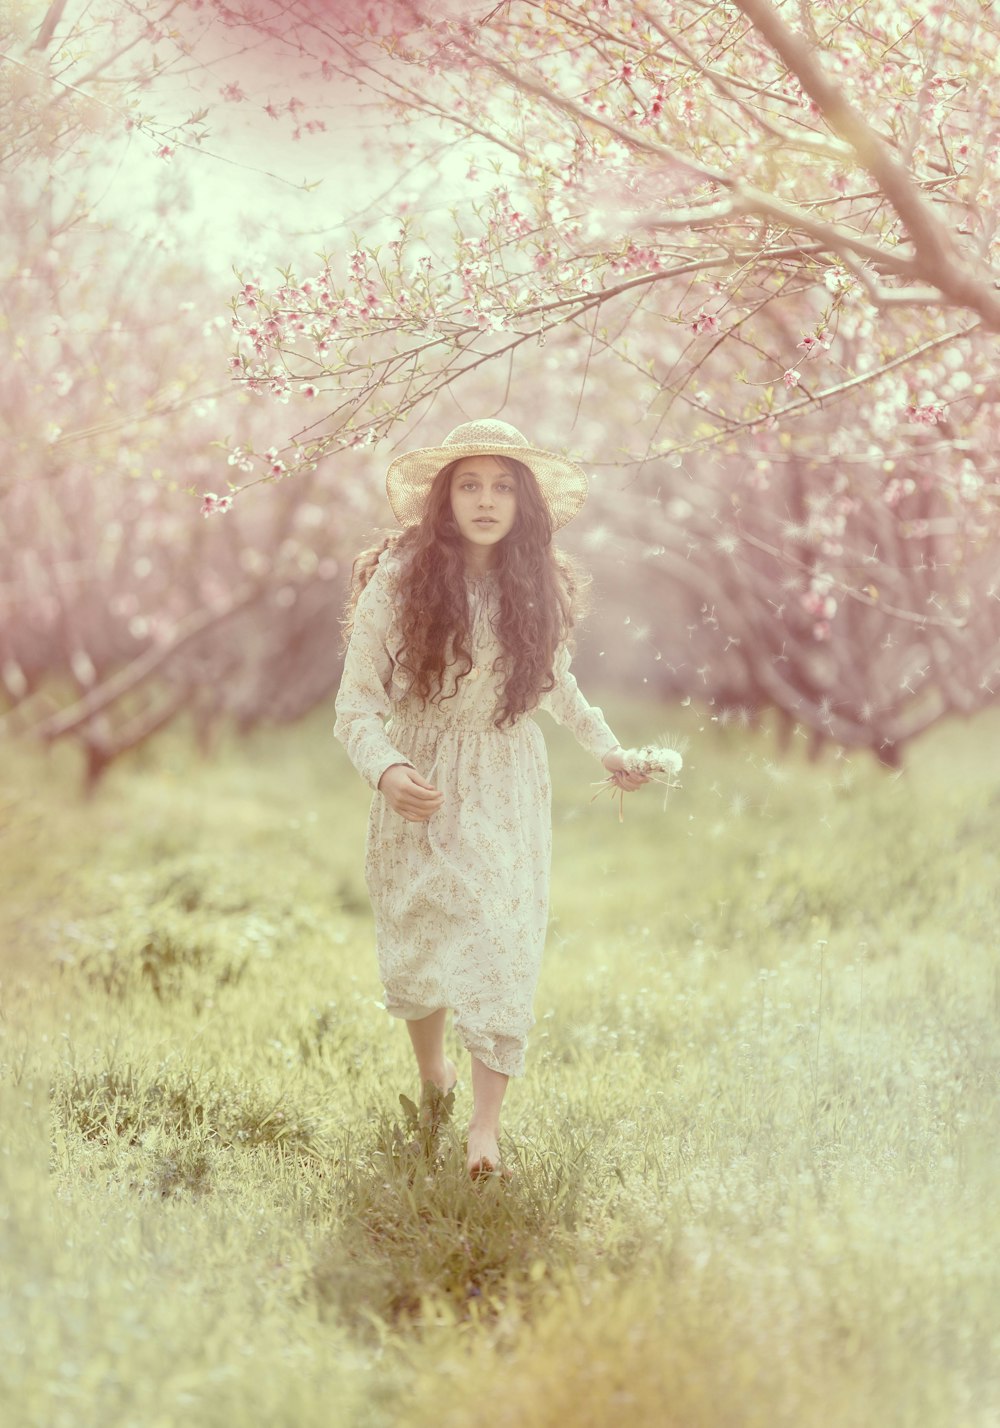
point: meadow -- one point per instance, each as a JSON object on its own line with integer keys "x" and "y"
{"x": 756, "y": 1147}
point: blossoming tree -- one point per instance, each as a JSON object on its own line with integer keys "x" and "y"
{"x": 120, "y": 608}
{"x": 762, "y": 240}
{"x": 743, "y": 257}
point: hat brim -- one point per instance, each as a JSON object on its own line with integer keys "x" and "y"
{"x": 562, "y": 483}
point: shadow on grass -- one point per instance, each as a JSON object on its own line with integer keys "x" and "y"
{"x": 417, "y": 1231}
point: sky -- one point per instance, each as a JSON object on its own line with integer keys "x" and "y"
{"x": 245, "y": 202}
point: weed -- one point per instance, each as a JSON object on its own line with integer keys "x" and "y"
{"x": 188, "y": 1170}
{"x": 417, "y": 1227}
{"x": 122, "y": 1102}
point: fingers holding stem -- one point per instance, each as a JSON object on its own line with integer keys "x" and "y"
{"x": 409, "y": 794}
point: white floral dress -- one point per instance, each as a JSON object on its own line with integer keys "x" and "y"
{"x": 460, "y": 901}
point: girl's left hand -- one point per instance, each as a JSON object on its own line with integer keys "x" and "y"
{"x": 615, "y": 765}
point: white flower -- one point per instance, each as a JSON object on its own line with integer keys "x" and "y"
{"x": 659, "y": 762}
{"x": 653, "y": 760}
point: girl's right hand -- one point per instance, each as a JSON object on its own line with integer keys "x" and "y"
{"x": 409, "y": 795}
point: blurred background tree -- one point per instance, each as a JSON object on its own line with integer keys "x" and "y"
{"x": 119, "y": 606}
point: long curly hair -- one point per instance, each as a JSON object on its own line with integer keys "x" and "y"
{"x": 541, "y": 594}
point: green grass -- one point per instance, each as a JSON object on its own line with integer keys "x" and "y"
{"x": 756, "y": 1143}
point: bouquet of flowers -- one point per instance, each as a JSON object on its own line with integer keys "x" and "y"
{"x": 661, "y": 763}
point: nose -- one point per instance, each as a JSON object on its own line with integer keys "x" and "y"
{"x": 485, "y": 497}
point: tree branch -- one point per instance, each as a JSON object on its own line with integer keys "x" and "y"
{"x": 936, "y": 259}
{"x": 140, "y": 669}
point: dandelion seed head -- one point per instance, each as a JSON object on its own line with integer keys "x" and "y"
{"x": 775, "y": 772}
{"x": 597, "y": 537}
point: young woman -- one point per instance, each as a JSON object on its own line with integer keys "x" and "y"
{"x": 458, "y": 632}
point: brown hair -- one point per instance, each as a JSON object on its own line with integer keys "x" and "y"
{"x": 539, "y": 596}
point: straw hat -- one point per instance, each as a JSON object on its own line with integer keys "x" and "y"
{"x": 562, "y": 482}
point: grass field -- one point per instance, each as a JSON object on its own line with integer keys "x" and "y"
{"x": 756, "y": 1146}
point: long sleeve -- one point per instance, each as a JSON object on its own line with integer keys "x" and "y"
{"x": 363, "y": 703}
{"x": 568, "y": 707}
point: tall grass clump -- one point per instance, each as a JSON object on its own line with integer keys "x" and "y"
{"x": 415, "y": 1230}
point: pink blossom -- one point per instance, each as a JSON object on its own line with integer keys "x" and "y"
{"x": 241, "y": 458}
{"x": 308, "y": 389}
{"x": 656, "y": 108}
{"x": 211, "y": 504}
{"x": 792, "y": 378}
{"x": 813, "y": 341}
{"x": 275, "y": 466}
{"x": 232, "y": 92}
{"x": 165, "y": 152}
{"x": 925, "y": 415}
{"x": 705, "y": 322}
{"x": 896, "y": 489}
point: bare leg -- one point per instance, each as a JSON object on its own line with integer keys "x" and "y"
{"x": 427, "y": 1036}
{"x": 488, "y": 1087}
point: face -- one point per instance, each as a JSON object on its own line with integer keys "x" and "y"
{"x": 483, "y": 502}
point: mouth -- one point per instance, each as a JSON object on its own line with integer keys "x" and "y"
{"x": 485, "y": 521}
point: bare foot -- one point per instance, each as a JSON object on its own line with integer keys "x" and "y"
{"x": 484, "y": 1154}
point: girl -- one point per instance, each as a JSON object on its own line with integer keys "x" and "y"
{"x": 458, "y": 631}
